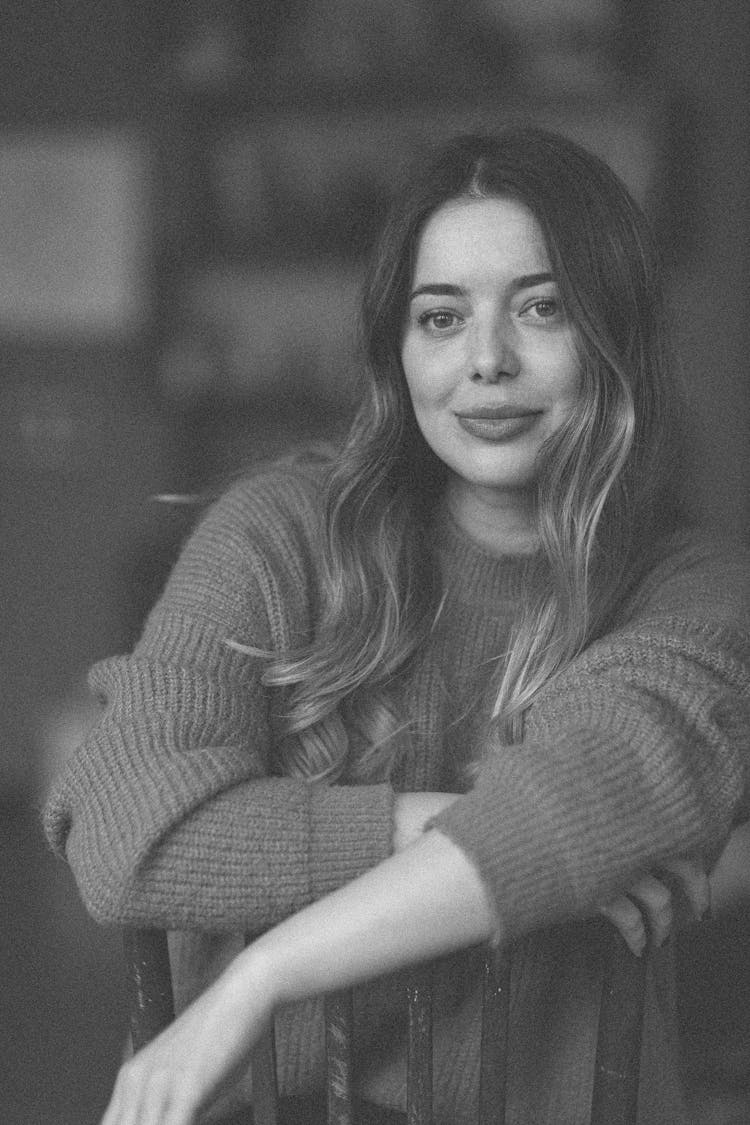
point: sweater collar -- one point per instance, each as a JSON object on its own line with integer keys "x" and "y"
{"x": 471, "y": 575}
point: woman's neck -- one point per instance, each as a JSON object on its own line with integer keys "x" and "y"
{"x": 501, "y": 522}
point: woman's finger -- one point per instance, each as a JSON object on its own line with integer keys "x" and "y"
{"x": 152, "y": 1103}
{"x": 138, "y": 1103}
{"x": 625, "y": 915}
{"x": 644, "y": 914}
{"x": 654, "y": 899}
{"x": 691, "y": 885}
{"x": 116, "y": 1111}
{"x": 181, "y": 1109}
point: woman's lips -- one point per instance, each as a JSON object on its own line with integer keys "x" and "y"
{"x": 498, "y": 425}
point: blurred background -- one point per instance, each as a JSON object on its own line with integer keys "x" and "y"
{"x": 187, "y": 190}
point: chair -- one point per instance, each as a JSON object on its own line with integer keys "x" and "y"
{"x": 615, "y": 1093}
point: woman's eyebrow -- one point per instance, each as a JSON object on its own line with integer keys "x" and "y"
{"x": 529, "y": 280}
{"x": 435, "y": 289}
{"x": 440, "y": 289}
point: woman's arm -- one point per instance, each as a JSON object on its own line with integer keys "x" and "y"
{"x": 167, "y": 813}
{"x": 636, "y": 754}
{"x": 422, "y": 902}
{"x": 651, "y": 906}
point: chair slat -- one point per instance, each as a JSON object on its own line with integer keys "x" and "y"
{"x": 618, "y": 1053}
{"x": 615, "y": 1096}
{"x": 419, "y": 1062}
{"x": 265, "y": 1090}
{"x": 493, "y": 1064}
{"x": 338, "y": 1022}
{"x": 148, "y": 983}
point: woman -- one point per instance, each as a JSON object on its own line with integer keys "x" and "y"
{"x": 468, "y": 681}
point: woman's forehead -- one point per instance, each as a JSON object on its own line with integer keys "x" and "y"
{"x": 477, "y": 236}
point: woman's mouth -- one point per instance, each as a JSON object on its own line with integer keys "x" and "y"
{"x": 499, "y": 424}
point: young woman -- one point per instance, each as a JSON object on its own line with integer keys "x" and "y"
{"x": 468, "y": 680}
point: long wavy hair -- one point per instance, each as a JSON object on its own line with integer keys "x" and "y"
{"x": 603, "y": 478}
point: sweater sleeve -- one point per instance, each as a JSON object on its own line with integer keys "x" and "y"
{"x": 636, "y": 753}
{"x": 167, "y": 813}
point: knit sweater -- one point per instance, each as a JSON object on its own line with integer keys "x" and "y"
{"x": 169, "y": 814}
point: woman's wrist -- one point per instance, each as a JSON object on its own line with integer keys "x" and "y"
{"x": 255, "y": 974}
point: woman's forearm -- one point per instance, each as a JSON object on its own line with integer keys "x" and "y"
{"x": 420, "y": 903}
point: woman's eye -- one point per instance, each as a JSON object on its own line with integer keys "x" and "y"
{"x": 440, "y": 320}
{"x": 545, "y": 308}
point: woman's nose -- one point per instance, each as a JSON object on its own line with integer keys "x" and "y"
{"x": 494, "y": 356}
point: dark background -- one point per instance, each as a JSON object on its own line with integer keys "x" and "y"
{"x": 186, "y": 191}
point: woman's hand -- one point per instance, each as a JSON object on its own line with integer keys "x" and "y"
{"x": 655, "y": 905}
{"x": 187, "y": 1068}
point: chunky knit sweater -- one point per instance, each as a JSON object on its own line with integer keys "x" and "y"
{"x": 169, "y": 814}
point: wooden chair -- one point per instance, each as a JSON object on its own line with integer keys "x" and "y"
{"x": 618, "y": 1044}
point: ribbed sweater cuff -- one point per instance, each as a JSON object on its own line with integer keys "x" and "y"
{"x": 351, "y": 830}
{"x": 521, "y": 846}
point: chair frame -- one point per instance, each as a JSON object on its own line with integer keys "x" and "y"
{"x": 615, "y": 1094}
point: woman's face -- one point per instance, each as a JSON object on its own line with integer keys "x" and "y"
{"x": 487, "y": 352}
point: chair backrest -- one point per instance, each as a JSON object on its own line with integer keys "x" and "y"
{"x": 615, "y": 1093}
